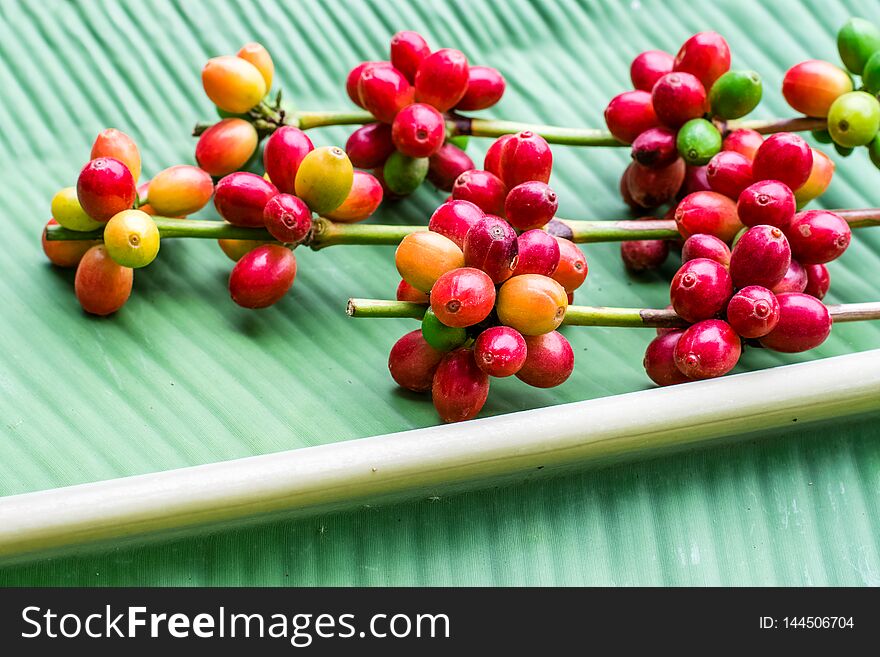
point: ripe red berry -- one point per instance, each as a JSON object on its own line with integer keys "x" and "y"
{"x": 707, "y": 349}
{"x": 485, "y": 88}
{"x": 492, "y": 161}
{"x": 408, "y": 50}
{"x": 643, "y": 255}
{"x": 700, "y": 289}
{"x": 729, "y": 173}
{"x": 353, "y": 80}
{"x": 705, "y": 55}
{"x": 369, "y": 146}
{"x": 659, "y": 360}
{"x": 463, "y": 297}
{"x": 572, "y": 269}
{"x": 460, "y": 388}
{"x": 818, "y": 281}
{"x": 418, "y": 130}
{"x": 811, "y": 87}
{"x": 102, "y": 285}
{"x": 655, "y": 148}
{"x": 538, "y": 253}
{"x": 406, "y": 292}
{"x": 384, "y": 91}
{"x": 648, "y": 67}
{"x": 454, "y": 219}
{"x": 262, "y": 276}
{"x": 241, "y": 197}
{"x": 491, "y": 245}
{"x": 226, "y": 146}
{"x": 104, "y": 188}
{"x": 677, "y": 98}
{"x": 522, "y": 157}
{"x": 412, "y": 362}
{"x": 650, "y": 188}
{"x": 500, "y": 351}
{"x": 804, "y": 323}
{"x": 287, "y": 218}
{"x": 530, "y": 205}
{"x": 549, "y": 362}
{"x": 442, "y": 79}
{"x": 795, "y": 279}
{"x": 695, "y": 180}
{"x": 761, "y": 257}
{"x": 629, "y": 114}
{"x": 743, "y": 141}
{"x": 753, "y": 311}
{"x": 446, "y": 165}
{"x": 818, "y": 236}
{"x": 623, "y": 187}
{"x": 709, "y": 213}
{"x": 483, "y": 189}
{"x": 768, "y": 202}
{"x": 705, "y": 246}
{"x": 284, "y": 151}
{"x": 785, "y": 157}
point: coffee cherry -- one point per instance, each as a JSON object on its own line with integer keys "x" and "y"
{"x": 233, "y": 84}
{"x": 648, "y": 67}
{"x": 263, "y": 276}
{"x": 538, "y": 253}
{"x": 403, "y": 174}
{"x": 768, "y": 202}
{"x": 700, "y": 289}
{"x": 857, "y": 40}
{"x": 67, "y": 211}
{"x": 324, "y": 178}
{"x": 871, "y": 75}
{"x": 804, "y": 323}
{"x": 744, "y": 141}
{"x": 442, "y": 79}
{"x": 753, "y": 311}
{"x": 492, "y": 161}
{"x": 735, "y": 94}
{"x": 659, "y": 360}
{"x": 817, "y": 183}
{"x": 257, "y": 55}
{"x": 532, "y": 304}
{"x": 698, "y": 141}
{"x": 500, "y": 351}
{"x": 572, "y": 269}
{"x": 655, "y": 148}
{"x": 118, "y": 145}
{"x": 421, "y": 258}
{"x": 761, "y": 257}
{"x": 695, "y": 180}
{"x": 729, "y": 173}
{"x": 132, "y": 238}
{"x": 485, "y": 88}
{"x": 406, "y": 292}
{"x": 454, "y": 219}
{"x": 418, "y": 130}
{"x": 483, "y": 189}
{"x": 549, "y": 361}
{"x": 524, "y": 157}
{"x": 854, "y": 119}
{"x": 352, "y": 82}
{"x": 412, "y": 362}
{"x": 705, "y": 55}
{"x": 650, "y": 188}
{"x": 785, "y": 157}
{"x": 490, "y": 245}
{"x": 287, "y": 218}
{"x": 440, "y": 336}
{"x": 530, "y": 205}
{"x": 460, "y": 388}
{"x": 105, "y": 187}
{"x": 284, "y": 152}
{"x": 705, "y": 246}
{"x": 226, "y": 146}
{"x": 818, "y": 281}
{"x": 241, "y": 196}
{"x": 384, "y": 91}
{"x": 408, "y": 51}
{"x": 362, "y": 201}
{"x": 463, "y": 297}
{"x": 709, "y": 213}
{"x": 795, "y": 279}
{"x": 812, "y": 86}
{"x": 707, "y": 349}
{"x": 235, "y": 250}
{"x": 623, "y": 188}
{"x": 629, "y": 114}
{"x": 180, "y": 190}
{"x": 677, "y": 98}
{"x": 446, "y": 165}
{"x": 102, "y": 285}
{"x": 643, "y": 255}
{"x": 818, "y": 236}
{"x": 65, "y": 253}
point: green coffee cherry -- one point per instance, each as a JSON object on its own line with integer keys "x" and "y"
{"x": 735, "y": 94}
{"x": 324, "y": 179}
{"x": 440, "y": 336}
{"x": 698, "y": 141}
{"x": 856, "y": 42}
{"x": 404, "y": 174}
{"x": 854, "y": 119}
{"x": 871, "y": 74}
{"x": 874, "y": 151}
{"x": 459, "y": 140}
{"x": 822, "y": 136}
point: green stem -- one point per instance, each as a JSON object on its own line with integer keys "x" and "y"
{"x": 169, "y": 227}
{"x": 553, "y": 134}
{"x": 768, "y": 127}
{"x": 328, "y": 233}
{"x": 309, "y": 120}
{"x": 385, "y": 308}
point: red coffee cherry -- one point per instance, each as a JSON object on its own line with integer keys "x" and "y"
{"x": 644, "y": 255}
{"x": 454, "y": 219}
{"x": 538, "y": 253}
{"x": 104, "y": 188}
{"x": 648, "y": 67}
{"x": 629, "y": 114}
{"x": 284, "y": 151}
{"x": 549, "y": 362}
{"x": 483, "y": 189}
{"x": 412, "y": 362}
{"x": 700, "y": 289}
{"x": 729, "y": 173}
{"x": 818, "y": 281}
{"x": 442, "y": 79}
{"x": 530, "y": 205}
{"x": 743, "y": 141}
{"x": 659, "y": 360}
{"x": 491, "y": 245}
{"x": 818, "y": 236}
{"x": 522, "y": 157}
{"x": 446, "y": 165}
{"x": 705, "y": 246}
{"x": 241, "y": 197}
{"x": 485, "y": 88}
{"x": 500, "y": 351}
{"x": 677, "y": 98}
{"x": 655, "y": 148}
{"x": 709, "y": 213}
{"x": 463, "y": 297}
{"x": 705, "y": 55}
{"x": 761, "y": 257}
{"x": 369, "y": 146}
{"x": 287, "y": 218}
{"x": 262, "y": 276}
{"x": 418, "y": 130}
{"x": 408, "y": 51}
{"x": 707, "y": 349}
{"x": 651, "y": 188}
{"x": 768, "y": 202}
{"x": 460, "y": 388}
{"x": 804, "y": 323}
{"x": 753, "y": 311}
{"x": 384, "y": 91}
{"x": 795, "y": 279}
{"x": 785, "y": 157}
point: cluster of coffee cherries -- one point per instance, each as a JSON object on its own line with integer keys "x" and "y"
{"x": 411, "y": 97}
{"x": 107, "y": 197}
{"x": 668, "y": 116}
{"x": 824, "y": 90}
{"x": 767, "y": 290}
{"x": 497, "y": 286}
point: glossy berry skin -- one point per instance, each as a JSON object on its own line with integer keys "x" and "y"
{"x": 623, "y": 188}
{"x": 233, "y": 84}
{"x": 118, "y": 145}
{"x": 804, "y": 323}
{"x": 362, "y": 201}
{"x": 412, "y": 362}
{"x": 406, "y": 292}
{"x": 538, "y": 253}
{"x": 817, "y": 183}
{"x": 263, "y": 276}
{"x": 659, "y": 361}
{"x": 65, "y": 253}
{"x": 768, "y": 202}
{"x": 483, "y": 189}
{"x": 523, "y": 157}
{"x": 102, "y": 285}
{"x": 572, "y": 269}
{"x": 442, "y": 79}
{"x": 423, "y": 257}
{"x": 180, "y": 190}
{"x": 418, "y": 130}
{"x": 698, "y": 141}
{"x": 695, "y": 180}
{"x": 785, "y": 157}
{"x": 753, "y": 311}
{"x": 707, "y": 349}
{"x": 67, "y": 211}
{"x": 549, "y": 362}
{"x": 440, "y": 336}
{"x": 408, "y": 50}
{"x": 857, "y": 41}
{"x": 812, "y": 86}
{"x": 705, "y": 55}
{"x": 648, "y": 67}
{"x": 818, "y": 281}
{"x": 241, "y": 196}
{"x": 743, "y": 141}
{"x": 708, "y": 213}
{"x": 256, "y": 54}
{"x": 735, "y": 94}
{"x": 629, "y": 114}
{"x": 463, "y": 297}
{"x": 500, "y": 351}
{"x": 287, "y": 218}
{"x": 132, "y": 238}
{"x": 454, "y": 219}
{"x": 655, "y": 148}
{"x": 485, "y": 88}
{"x": 352, "y": 82}
{"x": 795, "y": 279}
{"x": 729, "y": 173}
{"x": 235, "y": 250}
{"x": 761, "y": 257}
{"x": 324, "y": 179}
{"x": 818, "y": 236}
{"x": 705, "y": 246}
{"x": 384, "y": 91}
{"x": 492, "y": 161}
{"x": 403, "y": 174}
{"x": 532, "y": 304}
{"x": 284, "y": 152}
{"x": 370, "y": 145}
{"x": 460, "y": 388}
{"x": 105, "y": 187}
{"x": 530, "y": 205}
{"x": 226, "y": 146}
{"x": 491, "y": 245}
{"x": 854, "y": 119}
{"x": 650, "y": 188}
{"x": 700, "y": 289}
{"x": 677, "y": 98}
{"x": 446, "y": 165}
{"x": 643, "y": 255}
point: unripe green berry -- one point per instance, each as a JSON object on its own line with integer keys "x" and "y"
{"x": 857, "y": 41}
{"x": 871, "y": 74}
{"x": 698, "y": 141}
{"x": 854, "y": 119}
{"x": 440, "y": 336}
{"x": 404, "y": 174}
{"x": 735, "y": 94}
